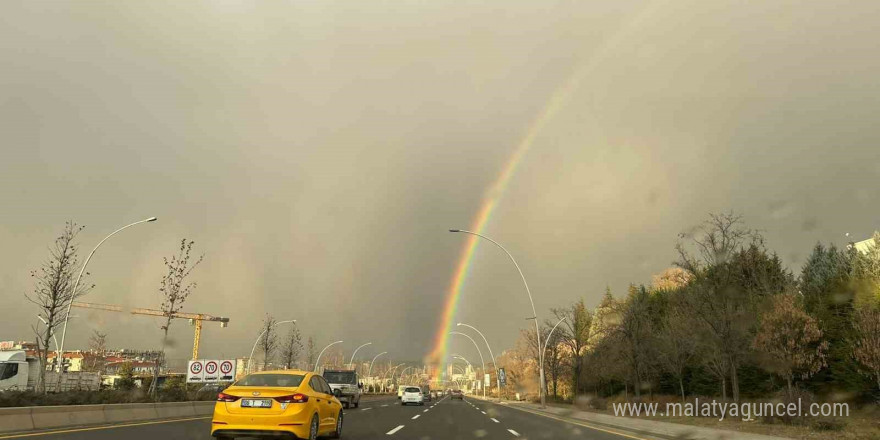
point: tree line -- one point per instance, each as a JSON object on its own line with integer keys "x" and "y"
{"x": 729, "y": 320}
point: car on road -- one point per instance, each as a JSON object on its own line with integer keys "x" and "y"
{"x": 426, "y": 393}
{"x": 412, "y": 395}
{"x": 345, "y": 386}
{"x": 291, "y": 403}
{"x": 456, "y": 394}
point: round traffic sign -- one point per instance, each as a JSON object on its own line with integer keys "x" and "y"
{"x": 226, "y": 367}
{"x": 211, "y": 367}
{"x": 195, "y": 368}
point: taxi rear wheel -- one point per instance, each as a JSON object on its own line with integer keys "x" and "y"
{"x": 313, "y": 428}
{"x": 338, "y": 432}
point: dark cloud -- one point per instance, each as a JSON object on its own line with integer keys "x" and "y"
{"x": 317, "y": 152}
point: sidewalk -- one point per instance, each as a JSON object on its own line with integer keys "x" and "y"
{"x": 637, "y": 428}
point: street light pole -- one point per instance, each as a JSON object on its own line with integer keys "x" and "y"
{"x": 495, "y": 364}
{"x": 392, "y": 370}
{"x": 543, "y": 350}
{"x": 53, "y": 336}
{"x": 400, "y": 376}
{"x": 250, "y": 359}
{"x": 60, "y": 350}
{"x": 370, "y": 370}
{"x": 317, "y": 361}
{"x": 351, "y": 362}
{"x": 534, "y": 312}
{"x": 481, "y": 358}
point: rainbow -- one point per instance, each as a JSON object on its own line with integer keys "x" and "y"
{"x": 490, "y": 202}
{"x": 557, "y": 101}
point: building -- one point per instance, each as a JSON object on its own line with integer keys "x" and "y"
{"x": 73, "y": 359}
{"x": 138, "y": 368}
{"x": 864, "y": 246}
{"x": 21, "y": 345}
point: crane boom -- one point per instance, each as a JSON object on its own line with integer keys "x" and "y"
{"x": 195, "y": 319}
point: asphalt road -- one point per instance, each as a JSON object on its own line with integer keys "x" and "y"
{"x": 376, "y": 419}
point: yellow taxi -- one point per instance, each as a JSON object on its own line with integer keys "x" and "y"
{"x": 286, "y": 403}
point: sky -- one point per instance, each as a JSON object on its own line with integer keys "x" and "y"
{"x": 318, "y": 151}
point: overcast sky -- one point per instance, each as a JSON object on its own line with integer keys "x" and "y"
{"x": 317, "y": 152}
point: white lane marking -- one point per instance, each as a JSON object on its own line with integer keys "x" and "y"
{"x": 425, "y": 410}
{"x": 484, "y": 412}
{"x": 394, "y": 430}
{"x": 416, "y": 416}
{"x": 513, "y": 432}
{"x": 495, "y": 420}
{"x": 383, "y": 406}
{"x": 366, "y": 409}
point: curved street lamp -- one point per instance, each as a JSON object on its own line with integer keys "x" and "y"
{"x": 317, "y": 361}
{"x": 53, "y": 336}
{"x": 534, "y": 313}
{"x": 392, "y": 370}
{"x": 60, "y": 350}
{"x": 351, "y": 362}
{"x": 478, "y": 351}
{"x": 400, "y": 376}
{"x": 547, "y": 342}
{"x": 370, "y": 370}
{"x": 494, "y": 364}
{"x": 551, "y": 334}
{"x": 251, "y": 358}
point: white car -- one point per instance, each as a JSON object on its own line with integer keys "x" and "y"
{"x": 412, "y": 395}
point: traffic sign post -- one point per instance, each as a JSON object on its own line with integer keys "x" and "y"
{"x": 211, "y": 371}
{"x": 487, "y": 380}
{"x": 195, "y": 371}
{"x": 502, "y": 376}
{"x": 227, "y": 371}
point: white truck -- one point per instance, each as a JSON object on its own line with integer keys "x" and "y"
{"x": 20, "y": 373}
{"x": 345, "y": 386}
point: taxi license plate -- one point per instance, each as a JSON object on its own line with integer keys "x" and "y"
{"x": 256, "y": 403}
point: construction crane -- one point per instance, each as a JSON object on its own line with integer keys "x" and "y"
{"x": 195, "y": 319}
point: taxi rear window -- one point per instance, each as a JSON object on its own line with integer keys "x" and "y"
{"x": 271, "y": 380}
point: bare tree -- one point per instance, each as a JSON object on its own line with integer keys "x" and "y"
{"x": 634, "y": 333}
{"x": 292, "y": 348}
{"x": 94, "y": 360}
{"x": 677, "y": 345}
{"x": 554, "y": 362}
{"x": 311, "y": 353}
{"x": 714, "y": 293}
{"x": 53, "y": 291}
{"x": 175, "y": 290}
{"x": 269, "y": 340}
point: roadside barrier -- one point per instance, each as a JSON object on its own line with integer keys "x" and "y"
{"x": 31, "y": 418}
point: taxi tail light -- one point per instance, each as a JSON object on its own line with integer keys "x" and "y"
{"x": 293, "y": 398}
{"x": 223, "y": 397}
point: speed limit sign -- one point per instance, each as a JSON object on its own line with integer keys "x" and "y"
{"x": 227, "y": 370}
{"x": 211, "y": 368}
{"x": 195, "y": 371}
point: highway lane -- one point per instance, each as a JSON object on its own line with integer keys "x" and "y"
{"x": 382, "y": 418}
